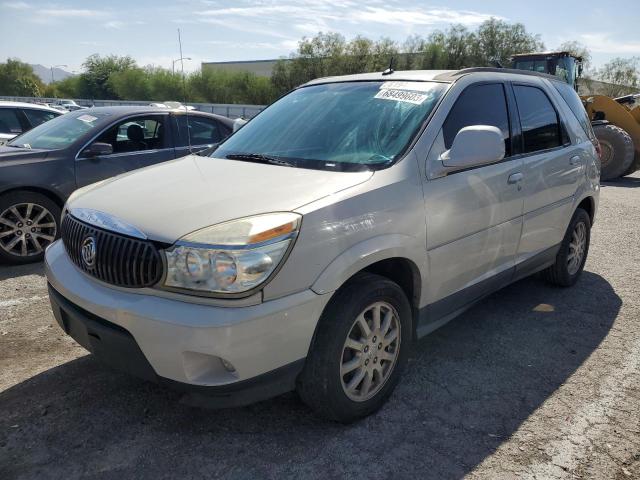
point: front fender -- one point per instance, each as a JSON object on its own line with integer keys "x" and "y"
{"x": 368, "y": 252}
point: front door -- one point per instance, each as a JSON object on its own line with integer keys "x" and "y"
{"x": 474, "y": 217}
{"x": 137, "y": 142}
{"x": 202, "y": 133}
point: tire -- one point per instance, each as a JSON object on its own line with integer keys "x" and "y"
{"x": 635, "y": 165}
{"x": 29, "y": 222}
{"x": 617, "y": 151}
{"x": 562, "y": 273}
{"x": 322, "y": 385}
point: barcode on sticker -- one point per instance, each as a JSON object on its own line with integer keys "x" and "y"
{"x": 402, "y": 96}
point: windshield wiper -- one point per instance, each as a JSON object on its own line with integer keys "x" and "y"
{"x": 259, "y": 157}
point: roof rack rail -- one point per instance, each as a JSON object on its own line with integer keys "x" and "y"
{"x": 465, "y": 71}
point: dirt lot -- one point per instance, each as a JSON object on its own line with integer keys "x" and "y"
{"x": 534, "y": 382}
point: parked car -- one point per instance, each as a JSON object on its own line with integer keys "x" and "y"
{"x": 19, "y": 117}
{"x": 347, "y": 219}
{"x": 40, "y": 168}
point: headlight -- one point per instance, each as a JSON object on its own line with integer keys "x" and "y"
{"x": 231, "y": 257}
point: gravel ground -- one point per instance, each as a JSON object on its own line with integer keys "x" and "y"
{"x": 534, "y": 382}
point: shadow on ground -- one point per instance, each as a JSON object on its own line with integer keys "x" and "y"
{"x": 627, "y": 182}
{"x": 14, "y": 271}
{"x": 469, "y": 387}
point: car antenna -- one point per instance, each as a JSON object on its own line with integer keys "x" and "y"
{"x": 389, "y": 70}
{"x": 184, "y": 93}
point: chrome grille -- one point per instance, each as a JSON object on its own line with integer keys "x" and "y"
{"x": 118, "y": 259}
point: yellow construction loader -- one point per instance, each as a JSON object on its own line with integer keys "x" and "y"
{"x": 615, "y": 121}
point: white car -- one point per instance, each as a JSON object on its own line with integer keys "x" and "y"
{"x": 19, "y": 117}
{"x": 315, "y": 244}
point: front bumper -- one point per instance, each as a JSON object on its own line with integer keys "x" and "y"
{"x": 183, "y": 344}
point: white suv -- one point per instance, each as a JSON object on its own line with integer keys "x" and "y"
{"x": 351, "y": 217}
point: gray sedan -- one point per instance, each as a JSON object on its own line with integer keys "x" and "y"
{"x": 42, "y": 167}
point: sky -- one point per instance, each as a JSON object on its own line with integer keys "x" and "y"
{"x": 65, "y": 32}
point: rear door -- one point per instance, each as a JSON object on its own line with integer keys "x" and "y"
{"x": 551, "y": 171}
{"x": 137, "y": 141}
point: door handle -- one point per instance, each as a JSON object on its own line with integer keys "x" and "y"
{"x": 575, "y": 160}
{"x": 515, "y": 178}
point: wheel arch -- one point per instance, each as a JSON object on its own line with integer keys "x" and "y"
{"x": 51, "y": 195}
{"x": 396, "y": 257}
{"x": 589, "y": 205}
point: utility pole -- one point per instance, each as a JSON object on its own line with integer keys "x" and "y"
{"x": 55, "y": 66}
{"x": 173, "y": 63}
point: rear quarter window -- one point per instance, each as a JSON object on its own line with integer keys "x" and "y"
{"x": 574, "y": 103}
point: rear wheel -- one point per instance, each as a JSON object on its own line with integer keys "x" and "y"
{"x": 573, "y": 252}
{"x": 617, "y": 151}
{"x": 29, "y": 222}
{"x": 359, "y": 351}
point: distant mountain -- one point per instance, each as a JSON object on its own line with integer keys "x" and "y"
{"x": 45, "y": 73}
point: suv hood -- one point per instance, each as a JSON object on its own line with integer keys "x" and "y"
{"x": 170, "y": 200}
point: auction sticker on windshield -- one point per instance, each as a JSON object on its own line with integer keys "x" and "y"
{"x": 402, "y": 96}
{"x": 87, "y": 118}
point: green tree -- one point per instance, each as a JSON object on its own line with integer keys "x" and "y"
{"x": 577, "y": 49}
{"x": 17, "y": 78}
{"x": 497, "y": 41}
{"x": 94, "y": 81}
{"x": 164, "y": 85}
{"x": 622, "y": 75}
{"x": 67, "y": 88}
{"x": 131, "y": 84}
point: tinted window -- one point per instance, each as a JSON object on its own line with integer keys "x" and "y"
{"x": 204, "y": 131}
{"x": 136, "y": 134}
{"x": 37, "y": 117}
{"x": 479, "y": 105}
{"x": 575, "y": 104}
{"x": 9, "y": 122}
{"x": 539, "y": 120}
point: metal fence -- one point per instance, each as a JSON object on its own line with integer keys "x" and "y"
{"x": 228, "y": 110}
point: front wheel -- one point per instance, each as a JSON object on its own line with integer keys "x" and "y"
{"x": 573, "y": 252}
{"x": 361, "y": 346}
{"x": 29, "y": 222}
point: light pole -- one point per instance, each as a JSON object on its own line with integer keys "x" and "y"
{"x": 173, "y": 63}
{"x": 55, "y": 66}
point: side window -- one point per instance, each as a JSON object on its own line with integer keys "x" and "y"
{"x": 136, "y": 134}
{"x": 483, "y": 104}
{"x": 37, "y": 117}
{"x": 9, "y": 122}
{"x": 204, "y": 131}
{"x": 575, "y": 104}
{"x": 540, "y": 125}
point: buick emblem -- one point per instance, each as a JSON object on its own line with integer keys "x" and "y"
{"x": 88, "y": 251}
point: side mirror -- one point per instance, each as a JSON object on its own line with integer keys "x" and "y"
{"x": 474, "y": 145}
{"x": 97, "y": 149}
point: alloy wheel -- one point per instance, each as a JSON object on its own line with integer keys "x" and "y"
{"x": 577, "y": 247}
{"x": 370, "y": 351}
{"x": 26, "y": 229}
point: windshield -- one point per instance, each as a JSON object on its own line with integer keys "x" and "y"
{"x": 58, "y": 133}
{"x": 339, "y": 126}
